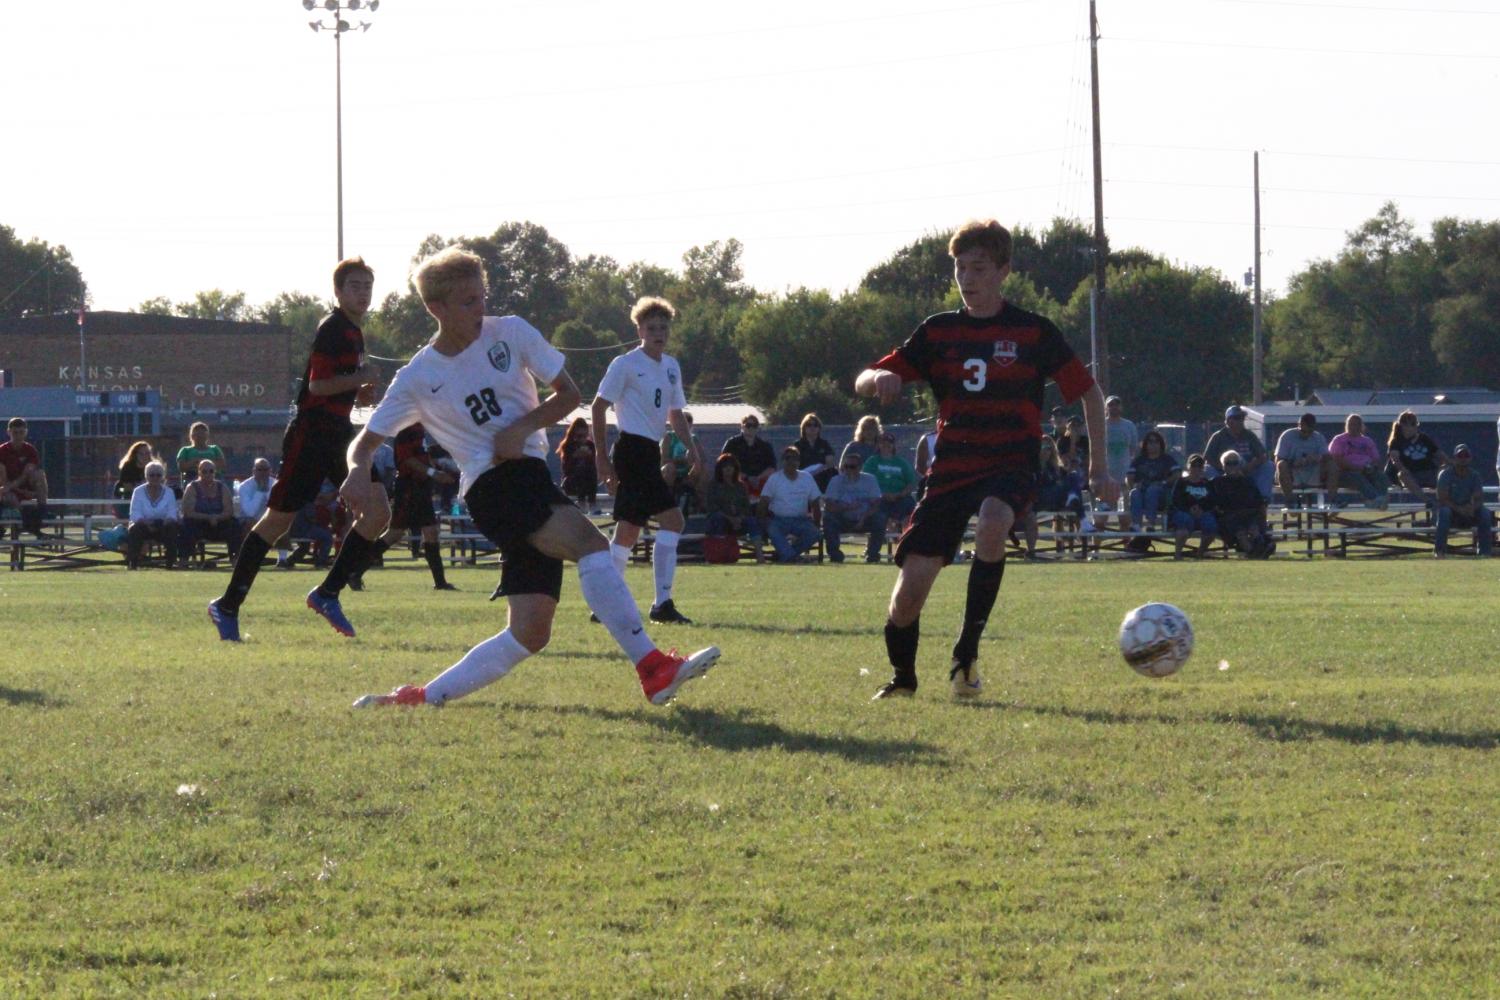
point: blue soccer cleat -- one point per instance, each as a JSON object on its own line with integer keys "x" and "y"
{"x": 332, "y": 613}
{"x": 227, "y": 624}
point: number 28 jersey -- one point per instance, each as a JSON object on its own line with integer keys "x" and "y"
{"x": 464, "y": 400}
{"x": 988, "y": 376}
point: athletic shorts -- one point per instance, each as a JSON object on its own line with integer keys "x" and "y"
{"x": 314, "y": 448}
{"x": 643, "y": 493}
{"x": 509, "y": 504}
{"x": 937, "y": 526}
{"x": 412, "y": 509}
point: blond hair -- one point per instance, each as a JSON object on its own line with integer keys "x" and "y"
{"x": 651, "y": 305}
{"x": 867, "y": 423}
{"x": 437, "y": 276}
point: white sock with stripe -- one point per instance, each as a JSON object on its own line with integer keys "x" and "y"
{"x": 485, "y": 664}
{"x": 664, "y": 564}
{"x": 607, "y": 596}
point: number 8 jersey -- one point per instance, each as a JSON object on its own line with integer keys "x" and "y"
{"x": 463, "y": 400}
{"x": 988, "y": 376}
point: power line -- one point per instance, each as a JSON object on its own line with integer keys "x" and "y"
{"x": 1202, "y": 44}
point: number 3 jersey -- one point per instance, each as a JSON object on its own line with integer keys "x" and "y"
{"x": 465, "y": 399}
{"x": 988, "y": 376}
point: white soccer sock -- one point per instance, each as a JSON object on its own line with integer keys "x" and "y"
{"x": 607, "y": 596}
{"x": 620, "y": 555}
{"x": 486, "y": 663}
{"x": 664, "y": 564}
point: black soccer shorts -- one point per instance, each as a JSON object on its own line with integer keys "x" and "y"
{"x": 643, "y": 493}
{"x": 938, "y": 525}
{"x": 509, "y": 504}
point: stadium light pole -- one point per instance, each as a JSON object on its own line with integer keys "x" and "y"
{"x": 335, "y": 23}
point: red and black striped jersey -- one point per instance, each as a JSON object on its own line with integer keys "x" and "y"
{"x": 988, "y": 376}
{"x": 338, "y": 349}
{"x": 410, "y": 443}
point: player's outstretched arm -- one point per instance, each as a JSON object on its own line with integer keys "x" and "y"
{"x": 510, "y": 441}
{"x": 883, "y": 385}
{"x": 1093, "y": 420}
{"x": 358, "y": 486}
{"x": 602, "y": 465}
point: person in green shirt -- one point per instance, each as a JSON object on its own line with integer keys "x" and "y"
{"x": 189, "y": 455}
{"x": 897, "y": 479}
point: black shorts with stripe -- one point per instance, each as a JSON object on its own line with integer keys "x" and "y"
{"x": 938, "y": 524}
{"x": 509, "y": 504}
{"x": 315, "y": 447}
{"x": 643, "y": 493}
{"x": 412, "y": 506}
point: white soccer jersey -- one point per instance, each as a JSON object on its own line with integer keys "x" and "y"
{"x": 643, "y": 392}
{"x": 463, "y": 400}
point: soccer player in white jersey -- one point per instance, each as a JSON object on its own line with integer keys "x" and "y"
{"x": 645, "y": 388}
{"x": 474, "y": 388}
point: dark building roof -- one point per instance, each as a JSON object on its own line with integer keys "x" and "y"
{"x": 128, "y": 323}
{"x": 1402, "y": 397}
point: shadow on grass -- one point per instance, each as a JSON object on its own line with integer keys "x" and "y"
{"x": 1283, "y": 728}
{"x": 789, "y": 629}
{"x": 744, "y": 729}
{"x": 37, "y": 699}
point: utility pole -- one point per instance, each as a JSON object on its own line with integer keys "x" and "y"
{"x": 1101, "y": 249}
{"x": 1256, "y": 387}
{"x": 336, "y": 24}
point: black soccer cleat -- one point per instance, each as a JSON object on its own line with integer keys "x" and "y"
{"x": 896, "y": 689}
{"x": 669, "y": 614}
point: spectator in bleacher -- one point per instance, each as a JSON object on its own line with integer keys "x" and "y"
{"x": 677, "y": 468}
{"x": 815, "y": 453}
{"x": 580, "y": 478}
{"x": 1059, "y": 422}
{"x": 208, "y": 512}
{"x": 447, "y": 493}
{"x": 255, "y": 493}
{"x": 1460, "y": 504}
{"x": 728, "y": 505}
{"x": 787, "y": 503}
{"x": 1192, "y": 507}
{"x": 897, "y": 479}
{"x": 195, "y": 451}
{"x": 383, "y": 465}
{"x": 1359, "y": 464}
{"x": 922, "y": 460}
{"x": 1233, "y": 436}
{"x": 754, "y": 455}
{"x": 1150, "y": 478}
{"x": 154, "y": 517}
{"x": 21, "y": 477}
{"x": 312, "y": 528}
{"x": 1073, "y": 445}
{"x": 1239, "y": 507}
{"x": 1414, "y": 458}
{"x": 132, "y": 473}
{"x": 866, "y": 440}
{"x": 851, "y": 504}
{"x": 1059, "y": 490}
{"x": 1303, "y": 462}
{"x": 1121, "y": 446}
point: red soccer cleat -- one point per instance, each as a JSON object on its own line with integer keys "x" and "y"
{"x": 407, "y": 694}
{"x": 663, "y": 673}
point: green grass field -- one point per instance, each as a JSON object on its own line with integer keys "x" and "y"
{"x": 1316, "y": 815}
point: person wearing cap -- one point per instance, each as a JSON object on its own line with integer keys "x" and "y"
{"x": 987, "y": 365}
{"x": 1460, "y": 504}
{"x": 1240, "y": 509}
{"x": 1121, "y": 445}
{"x": 1359, "y": 464}
{"x": 851, "y": 503}
{"x": 1192, "y": 507}
{"x": 756, "y": 457}
{"x": 1303, "y": 462}
{"x": 786, "y": 504}
{"x": 1234, "y": 436}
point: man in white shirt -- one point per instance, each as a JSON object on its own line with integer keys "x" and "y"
{"x": 474, "y": 389}
{"x": 789, "y": 497}
{"x": 255, "y": 492}
{"x": 645, "y": 388}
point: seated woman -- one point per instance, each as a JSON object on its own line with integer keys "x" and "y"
{"x": 1192, "y": 507}
{"x": 132, "y": 474}
{"x": 1414, "y": 458}
{"x": 580, "y": 475}
{"x": 1059, "y": 490}
{"x": 1240, "y": 509}
{"x": 153, "y": 517}
{"x": 728, "y": 504}
{"x": 815, "y": 451}
{"x": 1149, "y": 480}
{"x": 208, "y": 512}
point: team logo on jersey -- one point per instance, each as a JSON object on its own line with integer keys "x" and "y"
{"x": 672, "y": 377}
{"x": 500, "y": 356}
{"x": 1005, "y": 352}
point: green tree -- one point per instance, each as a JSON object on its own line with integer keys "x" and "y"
{"x": 159, "y": 305}
{"x": 821, "y": 395}
{"x": 712, "y": 273}
{"x": 527, "y": 270}
{"x": 921, "y": 271}
{"x": 586, "y": 361}
{"x": 1055, "y": 259}
{"x": 36, "y": 278}
{"x": 1179, "y": 340}
{"x": 214, "y": 304}
{"x": 1464, "y": 319}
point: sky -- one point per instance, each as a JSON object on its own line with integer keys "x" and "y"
{"x": 179, "y": 147}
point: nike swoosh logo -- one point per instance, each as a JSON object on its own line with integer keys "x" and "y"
{"x": 635, "y": 631}
{"x": 435, "y": 388}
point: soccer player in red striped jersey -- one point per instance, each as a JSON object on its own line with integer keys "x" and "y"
{"x": 987, "y": 365}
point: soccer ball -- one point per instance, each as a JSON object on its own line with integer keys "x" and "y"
{"x": 1156, "y": 639}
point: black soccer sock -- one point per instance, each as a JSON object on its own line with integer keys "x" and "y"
{"x": 434, "y": 553}
{"x": 377, "y": 549}
{"x": 901, "y": 647}
{"x": 354, "y": 556}
{"x": 984, "y": 587}
{"x": 252, "y": 550}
